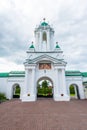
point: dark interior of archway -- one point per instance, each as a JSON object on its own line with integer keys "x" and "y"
{"x": 77, "y": 92}
{"x": 16, "y": 93}
{"x": 44, "y": 89}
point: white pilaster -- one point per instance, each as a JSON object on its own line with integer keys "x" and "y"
{"x": 64, "y": 90}
{"x": 36, "y": 41}
{"x": 26, "y": 81}
{"x": 33, "y": 82}
{"x": 60, "y": 88}
{"x": 56, "y": 84}
{"x": 64, "y": 82}
{"x": 40, "y": 41}
{"x": 48, "y": 40}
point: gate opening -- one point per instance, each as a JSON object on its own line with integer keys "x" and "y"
{"x": 44, "y": 88}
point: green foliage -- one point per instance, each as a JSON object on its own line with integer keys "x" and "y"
{"x": 44, "y": 90}
{"x": 44, "y": 84}
{"x": 72, "y": 90}
{"x": 2, "y": 97}
{"x": 17, "y": 91}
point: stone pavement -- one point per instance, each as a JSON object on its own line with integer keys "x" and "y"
{"x": 44, "y": 114}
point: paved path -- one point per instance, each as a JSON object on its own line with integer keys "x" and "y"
{"x": 43, "y": 115}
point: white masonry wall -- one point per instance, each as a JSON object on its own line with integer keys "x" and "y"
{"x": 3, "y": 85}
{"x": 6, "y": 84}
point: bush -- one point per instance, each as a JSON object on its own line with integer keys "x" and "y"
{"x": 44, "y": 91}
{"x": 72, "y": 90}
{"x": 17, "y": 90}
{"x": 2, "y": 97}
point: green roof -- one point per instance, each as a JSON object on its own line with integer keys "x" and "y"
{"x": 84, "y": 74}
{"x": 12, "y": 74}
{"x": 73, "y": 73}
{"x": 22, "y": 74}
{"x": 17, "y": 72}
{"x": 44, "y": 24}
{"x": 57, "y": 46}
{"x": 4, "y": 75}
{"x": 32, "y": 46}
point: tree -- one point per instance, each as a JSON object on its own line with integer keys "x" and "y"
{"x": 44, "y": 84}
{"x": 17, "y": 91}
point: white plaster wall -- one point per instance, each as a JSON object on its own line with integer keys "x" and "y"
{"x": 3, "y": 85}
{"x": 6, "y": 84}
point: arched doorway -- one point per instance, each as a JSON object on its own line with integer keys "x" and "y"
{"x": 16, "y": 91}
{"x": 45, "y": 87}
{"x": 74, "y": 91}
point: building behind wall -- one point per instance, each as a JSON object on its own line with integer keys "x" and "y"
{"x": 44, "y": 61}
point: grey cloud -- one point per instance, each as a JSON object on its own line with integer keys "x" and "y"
{"x": 69, "y": 21}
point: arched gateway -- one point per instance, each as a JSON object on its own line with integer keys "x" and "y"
{"x": 45, "y": 87}
{"x": 45, "y": 59}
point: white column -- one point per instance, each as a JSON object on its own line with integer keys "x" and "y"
{"x": 33, "y": 81}
{"x": 60, "y": 80}
{"x": 40, "y": 41}
{"x": 36, "y": 41}
{"x": 56, "y": 81}
{"x": 64, "y": 81}
{"x": 48, "y": 40}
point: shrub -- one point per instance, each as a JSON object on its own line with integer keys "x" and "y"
{"x": 2, "y": 97}
{"x": 72, "y": 90}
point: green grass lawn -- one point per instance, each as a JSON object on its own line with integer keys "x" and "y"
{"x": 72, "y": 95}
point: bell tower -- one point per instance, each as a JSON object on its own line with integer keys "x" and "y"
{"x": 44, "y": 37}
{"x": 45, "y": 61}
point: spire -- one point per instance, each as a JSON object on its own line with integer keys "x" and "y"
{"x": 32, "y": 46}
{"x": 44, "y": 19}
{"x": 44, "y": 23}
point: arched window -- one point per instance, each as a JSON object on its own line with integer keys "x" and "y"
{"x": 44, "y": 36}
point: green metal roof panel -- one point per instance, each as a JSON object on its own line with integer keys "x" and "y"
{"x": 44, "y": 24}
{"x": 73, "y": 73}
{"x": 84, "y": 74}
{"x": 32, "y": 46}
{"x": 57, "y": 46}
{"x": 22, "y": 74}
{"x": 17, "y": 72}
{"x": 4, "y": 75}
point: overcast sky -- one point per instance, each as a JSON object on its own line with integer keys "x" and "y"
{"x": 18, "y": 18}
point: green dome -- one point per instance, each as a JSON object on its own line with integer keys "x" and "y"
{"x": 57, "y": 46}
{"x": 44, "y": 24}
{"x": 32, "y": 46}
